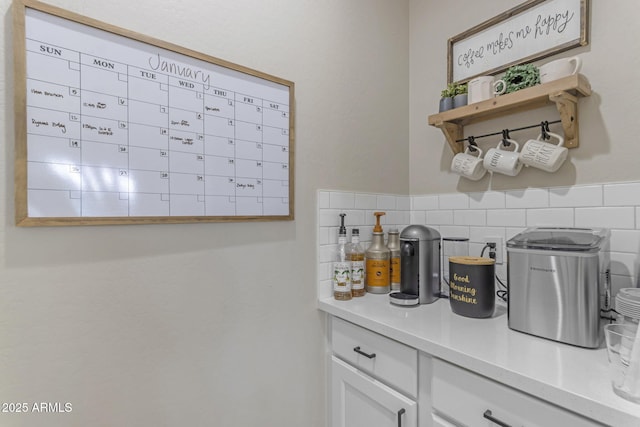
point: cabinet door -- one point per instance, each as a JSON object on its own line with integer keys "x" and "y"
{"x": 359, "y": 400}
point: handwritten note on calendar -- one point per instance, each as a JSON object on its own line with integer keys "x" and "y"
{"x": 119, "y": 130}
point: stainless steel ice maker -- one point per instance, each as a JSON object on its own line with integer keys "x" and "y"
{"x": 558, "y": 280}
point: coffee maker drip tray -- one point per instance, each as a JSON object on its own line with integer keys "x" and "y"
{"x": 400, "y": 298}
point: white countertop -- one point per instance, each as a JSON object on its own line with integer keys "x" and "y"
{"x": 571, "y": 377}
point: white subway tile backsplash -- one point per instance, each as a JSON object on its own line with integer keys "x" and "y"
{"x": 386, "y": 202}
{"x": 354, "y": 218}
{"x": 625, "y": 241}
{"x": 453, "y": 201}
{"x": 324, "y": 271}
{"x": 323, "y": 199}
{"x": 323, "y": 235}
{"x": 478, "y": 234}
{"x": 470, "y": 217}
{"x": 609, "y": 217}
{"x": 622, "y": 194}
{"x": 365, "y": 201}
{"x": 487, "y": 200}
{"x": 424, "y": 203}
{"x": 418, "y": 217}
{"x": 403, "y": 203}
{"x": 395, "y": 218}
{"x": 326, "y": 253}
{"x": 559, "y": 217}
{"x": 506, "y": 217}
{"x": 405, "y": 218}
{"x": 439, "y": 217}
{"x": 341, "y": 200}
{"x": 370, "y": 219}
{"x": 454, "y": 231}
{"x": 329, "y": 217}
{"x": 493, "y": 213}
{"x": 573, "y": 197}
{"x": 527, "y": 198}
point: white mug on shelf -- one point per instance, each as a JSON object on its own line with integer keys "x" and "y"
{"x": 468, "y": 165}
{"x": 483, "y": 88}
{"x": 503, "y": 161}
{"x": 544, "y": 155}
{"x": 559, "y": 68}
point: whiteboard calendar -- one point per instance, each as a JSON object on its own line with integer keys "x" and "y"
{"x": 121, "y": 128}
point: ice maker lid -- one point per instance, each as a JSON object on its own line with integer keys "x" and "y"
{"x": 560, "y": 239}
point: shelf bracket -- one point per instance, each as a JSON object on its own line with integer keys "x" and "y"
{"x": 567, "y": 106}
{"x": 453, "y": 132}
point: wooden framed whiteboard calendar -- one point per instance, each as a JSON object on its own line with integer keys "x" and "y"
{"x": 114, "y": 127}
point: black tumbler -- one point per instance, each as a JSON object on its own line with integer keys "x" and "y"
{"x": 472, "y": 286}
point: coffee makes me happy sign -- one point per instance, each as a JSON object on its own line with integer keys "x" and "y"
{"x": 532, "y": 30}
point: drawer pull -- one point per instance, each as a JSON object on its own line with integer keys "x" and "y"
{"x": 487, "y": 415}
{"x": 400, "y": 412}
{"x": 367, "y": 355}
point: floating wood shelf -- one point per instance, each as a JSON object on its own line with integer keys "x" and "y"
{"x": 563, "y": 93}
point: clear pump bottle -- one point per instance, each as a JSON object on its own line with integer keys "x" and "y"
{"x": 377, "y": 261}
{"x": 341, "y": 266}
{"x": 355, "y": 254}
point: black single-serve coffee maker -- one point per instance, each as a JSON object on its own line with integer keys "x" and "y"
{"x": 419, "y": 266}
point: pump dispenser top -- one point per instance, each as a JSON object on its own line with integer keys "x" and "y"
{"x": 378, "y": 227}
{"x": 343, "y": 229}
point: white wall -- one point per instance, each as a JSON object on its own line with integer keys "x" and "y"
{"x": 608, "y": 149}
{"x": 205, "y": 324}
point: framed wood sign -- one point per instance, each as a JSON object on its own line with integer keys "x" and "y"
{"x": 114, "y": 127}
{"x": 533, "y": 30}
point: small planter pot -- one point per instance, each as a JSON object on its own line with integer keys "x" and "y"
{"x": 445, "y": 104}
{"x": 460, "y": 100}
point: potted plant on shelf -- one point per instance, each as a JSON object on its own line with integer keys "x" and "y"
{"x": 446, "y": 98}
{"x": 521, "y": 77}
{"x": 460, "y": 96}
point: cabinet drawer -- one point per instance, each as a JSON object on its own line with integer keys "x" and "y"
{"x": 389, "y": 361}
{"x": 463, "y": 398}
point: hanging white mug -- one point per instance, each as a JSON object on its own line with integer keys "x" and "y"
{"x": 559, "y": 68}
{"x": 503, "y": 161}
{"x": 468, "y": 165}
{"x": 544, "y": 155}
{"x": 483, "y": 88}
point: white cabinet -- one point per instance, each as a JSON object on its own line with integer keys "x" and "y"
{"x": 359, "y": 400}
{"x": 374, "y": 380}
{"x": 463, "y": 398}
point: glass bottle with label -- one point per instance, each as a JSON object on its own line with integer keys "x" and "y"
{"x": 355, "y": 254}
{"x": 377, "y": 261}
{"x": 341, "y": 266}
{"x": 393, "y": 243}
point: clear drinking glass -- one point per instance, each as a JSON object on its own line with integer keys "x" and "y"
{"x": 623, "y": 370}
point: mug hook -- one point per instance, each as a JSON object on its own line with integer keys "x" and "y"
{"x": 506, "y": 137}
{"x": 544, "y": 129}
{"x": 472, "y": 143}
